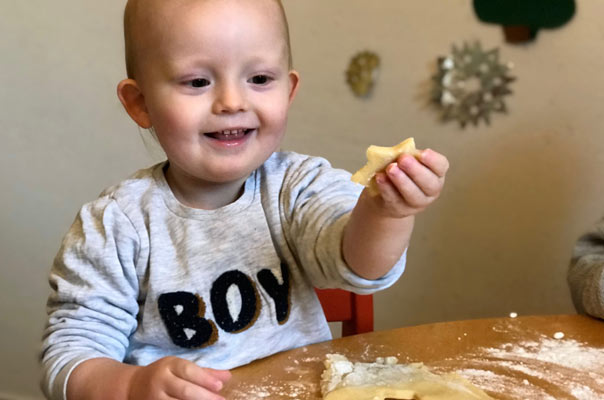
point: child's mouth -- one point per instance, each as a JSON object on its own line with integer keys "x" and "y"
{"x": 229, "y": 134}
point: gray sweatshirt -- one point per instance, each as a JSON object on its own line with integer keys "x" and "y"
{"x": 586, "y": 272}
{"x": 140, "y": 276}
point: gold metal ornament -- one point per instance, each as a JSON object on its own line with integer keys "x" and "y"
{"x": 470, "y": 84}
{"x": 362, "y": 73}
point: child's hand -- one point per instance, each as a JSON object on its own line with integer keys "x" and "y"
{"x": 176, "y": 378}
{"x": 409, "y": 185}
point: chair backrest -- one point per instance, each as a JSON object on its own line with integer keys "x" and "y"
{"x": 355, "y": 311}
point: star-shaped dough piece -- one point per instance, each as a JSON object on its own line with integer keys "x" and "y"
{"x": 378, "y": 158}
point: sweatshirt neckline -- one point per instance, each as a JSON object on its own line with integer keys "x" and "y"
{"x": 174, "y": 205}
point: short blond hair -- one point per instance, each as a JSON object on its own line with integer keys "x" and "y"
{"x": 132, "y": 13}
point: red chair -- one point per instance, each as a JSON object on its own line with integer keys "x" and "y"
{"x": 355, "y": 311}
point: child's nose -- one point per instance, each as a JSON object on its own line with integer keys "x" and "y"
{"x": 229, "y": 99}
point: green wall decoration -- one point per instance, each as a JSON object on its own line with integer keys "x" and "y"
{"x": 522, "y": 19}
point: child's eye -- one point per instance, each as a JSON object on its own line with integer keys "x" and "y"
{"x": 199, "y": 82}
{"x": 260, "y": 79}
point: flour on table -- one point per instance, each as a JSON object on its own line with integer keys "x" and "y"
{"x": 299, "y": 383}
{"x": 558, "y": 335}
{"x": 547, "y": 368}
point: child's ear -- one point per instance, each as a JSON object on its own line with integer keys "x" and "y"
{"x": 134, "y": 102}
{"x": 294, "y": 82}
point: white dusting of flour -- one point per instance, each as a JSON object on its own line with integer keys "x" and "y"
{"x": 551, "y": 367}
{"x": 269, "y": 389}
{"x": 546, "y": 368}
{"x": 558, "y": 335}
{"x": 300, "y": 384}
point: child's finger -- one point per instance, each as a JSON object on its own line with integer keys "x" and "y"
{"x": 435, "y": 161}
{"x": 405, "y": 186}
{"x": 223, "y": 375}
{"x": 211, "y": 379}
{"x": 389, "y": 193}
{"x": 184, "y": 390}
{"x": 428, "y": 182}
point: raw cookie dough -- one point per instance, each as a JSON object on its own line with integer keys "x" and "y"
{"x": 378, "y": 158}
{"x": 385, "y": 379}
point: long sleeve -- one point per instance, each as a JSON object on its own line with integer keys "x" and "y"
{"x": 317, "y": 200}
{"x": 586, "y": 272}
{"x": 93, "y": 305}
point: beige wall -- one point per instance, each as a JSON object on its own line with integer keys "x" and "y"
{"x": 518, "y": 193}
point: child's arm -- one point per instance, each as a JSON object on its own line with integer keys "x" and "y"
{"x": 92, "y": 311}
{"x": 167, "y": 378}
{"x": 380, "y": 227}
{"x": 586, "y": 272}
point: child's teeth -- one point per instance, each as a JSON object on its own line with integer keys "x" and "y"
{"x": 232, "y": 132}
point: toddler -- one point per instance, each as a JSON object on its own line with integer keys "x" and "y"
{"x": 208, "y": 261}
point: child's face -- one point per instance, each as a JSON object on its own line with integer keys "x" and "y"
{"x": 217, "y": 85}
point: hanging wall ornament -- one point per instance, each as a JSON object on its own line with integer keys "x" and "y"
{"x": 362, "y": 73}
{"x": 470, "y": 84}
{"x": 522, "y": 19}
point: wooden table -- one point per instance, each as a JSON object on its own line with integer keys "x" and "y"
{"x": 533, "y": 357}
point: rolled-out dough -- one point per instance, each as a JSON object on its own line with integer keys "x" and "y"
{"x": 386, "y": 379}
